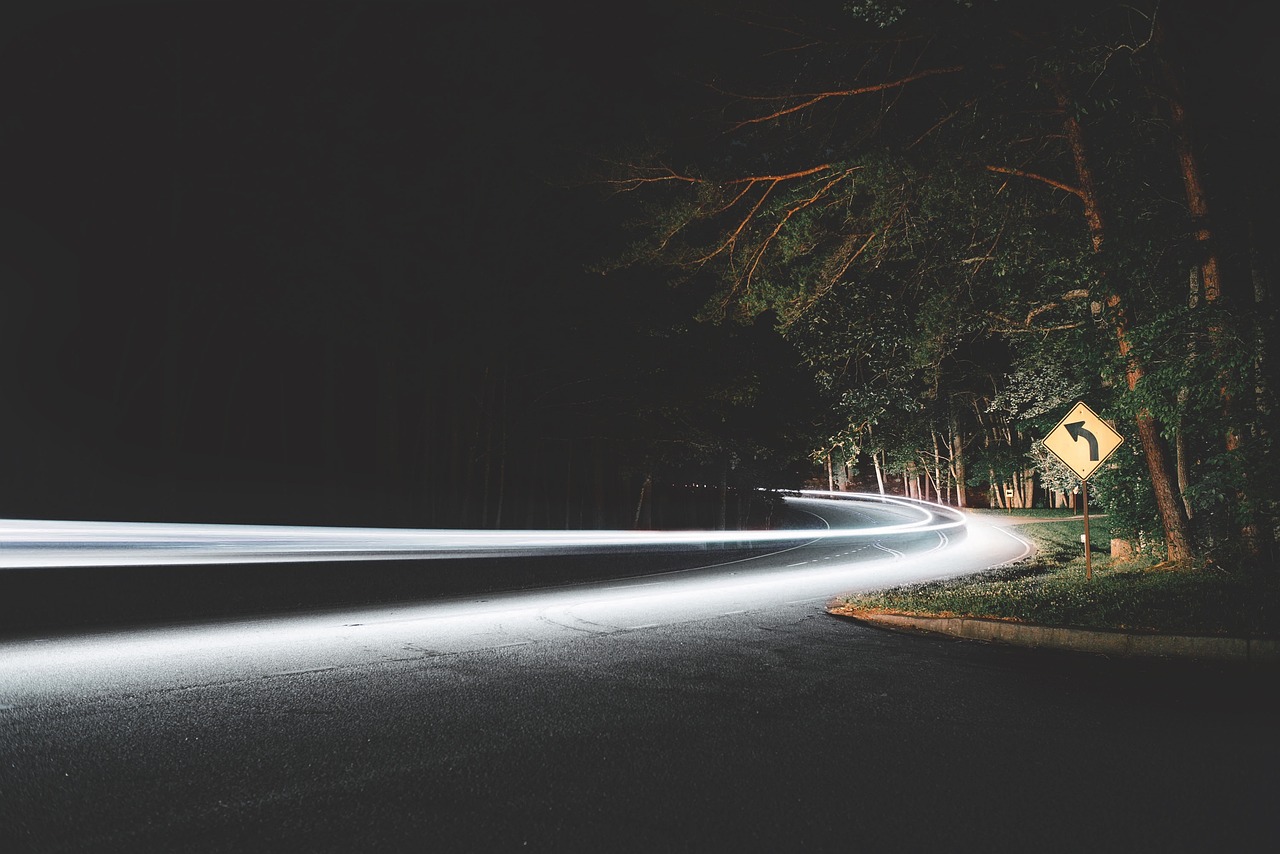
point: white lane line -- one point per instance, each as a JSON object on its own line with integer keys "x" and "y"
{"x": 300, "y": 672}
{"x": 1027, "y": 548}
{"x": 644, "y": 626}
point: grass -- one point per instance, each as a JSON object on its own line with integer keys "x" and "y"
{"x": 1050, "y": 588}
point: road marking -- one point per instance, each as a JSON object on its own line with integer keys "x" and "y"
{"x": 644, "y": 626}
{"x": 300, "y": 672}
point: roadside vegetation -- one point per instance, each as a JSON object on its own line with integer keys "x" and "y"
{"x": 965, "y": 218}
{"x": 1050, "y": 588}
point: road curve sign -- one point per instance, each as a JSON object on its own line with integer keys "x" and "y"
{"x": 1083, "y": 441}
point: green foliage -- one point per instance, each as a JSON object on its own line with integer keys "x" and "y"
{"x": 925, "y": 250}
{"x": 1050, "y": 589}
{"x": 1123, "y": 491}
{"x": 1041, "y": 384}
{"x": 875, "y": 13}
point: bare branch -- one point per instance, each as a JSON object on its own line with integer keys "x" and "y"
{"x": 1041, "y": 330}
{"x": 733, "y": 238}
{"x": 764, "y": 245}
{"x": 942, "y": 121}
{"x": 1008, "y": 170}
{"x": 640, "y": 179}
{"x": 845, "y": 93}
{"x": 804, "y": 173}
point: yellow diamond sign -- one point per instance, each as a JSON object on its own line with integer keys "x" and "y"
{"x": 1083, "y": 441}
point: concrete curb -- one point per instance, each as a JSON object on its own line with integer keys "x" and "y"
{"x": 1261, "y": 651}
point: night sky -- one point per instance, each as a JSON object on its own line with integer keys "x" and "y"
{"x": 233, "y": 230}
{"x": 258, "y": 259}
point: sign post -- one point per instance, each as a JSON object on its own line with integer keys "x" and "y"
{"x": 1083, "y": 441}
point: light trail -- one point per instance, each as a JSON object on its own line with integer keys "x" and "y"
{"x": 51, "y": 543}
{"x": 67, "y": 667}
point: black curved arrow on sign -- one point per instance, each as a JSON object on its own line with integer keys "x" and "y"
{"x": 1076, "y": 429}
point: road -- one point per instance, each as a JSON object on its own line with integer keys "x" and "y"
{"x": 718, "y": 708}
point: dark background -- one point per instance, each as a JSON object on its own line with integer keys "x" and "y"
{"x": 328, "y": 262}
{"x": 325, "y": 262}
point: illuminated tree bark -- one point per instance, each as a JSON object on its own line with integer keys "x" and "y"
{"x": 1209, "y": 266}
{"x": 1154, "y": 449}
{"x": 892, "y": 236}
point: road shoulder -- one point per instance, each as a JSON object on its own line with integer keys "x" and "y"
{"x": 1261, "y": 651}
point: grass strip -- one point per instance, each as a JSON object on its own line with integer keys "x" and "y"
{"x": 1049, "y": 588}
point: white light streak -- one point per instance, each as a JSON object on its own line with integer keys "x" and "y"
{"x": 50, "y": 543}
{"x": 69, "y": 667}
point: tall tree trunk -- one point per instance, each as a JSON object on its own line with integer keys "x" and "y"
{"x": 721, "y": 510}
{"x": 1189, "y": 169}
{"x": 1209, "y": 266}
{"x": 1182, "y": 456}
{"x": 1172, "y": 515}
{"x": 958, "y": 464}
{"x": 938, "y": 485}
{"x": 1264, "y": 324}
{"x": 643, "y": 517}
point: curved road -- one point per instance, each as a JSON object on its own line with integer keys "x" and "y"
{"x": 715, "y": 708}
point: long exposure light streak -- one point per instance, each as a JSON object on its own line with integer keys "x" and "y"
{"x": 65, "y": 667}
{"x": 49, "y": 543}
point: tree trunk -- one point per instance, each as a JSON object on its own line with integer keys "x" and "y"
{"x": 722, "y": 510}
{"x": 1172, "y": 515}
{"x": 1210, "y": 275}
{"x": 938, "y": 484}
{"x": 958, "y": 464}
{"x": 1263, "y": 326}
{"x": 644, "y": 508}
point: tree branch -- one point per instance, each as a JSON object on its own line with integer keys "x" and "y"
{"x": 845, "y": 93}
{"x": 1059, "y": 185}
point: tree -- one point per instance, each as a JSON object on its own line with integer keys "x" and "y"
{"x": 987, "y": 173}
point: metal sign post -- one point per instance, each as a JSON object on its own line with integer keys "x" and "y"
{"x": 1088, "y": 556}
{"x": 1083, "y": 441}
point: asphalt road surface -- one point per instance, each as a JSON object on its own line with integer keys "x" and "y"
{"x": 699, "y": 709}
